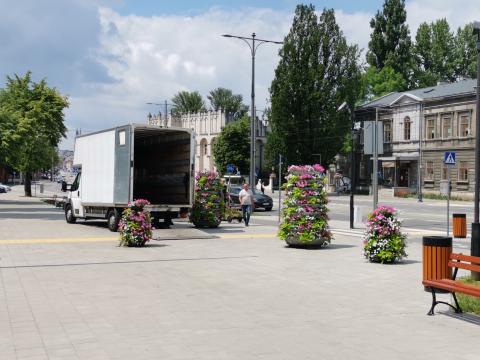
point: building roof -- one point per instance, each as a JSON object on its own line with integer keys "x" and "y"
{"x": 463, "y": 87}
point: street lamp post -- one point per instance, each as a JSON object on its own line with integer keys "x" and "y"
{"x": 475, "y": 242}
{"x": 166, "y": 110}
{"x": 253, "y": 43}
{"x": 352, "y": 162}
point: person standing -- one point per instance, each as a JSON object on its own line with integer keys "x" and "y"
{"x": 246, "y": 200}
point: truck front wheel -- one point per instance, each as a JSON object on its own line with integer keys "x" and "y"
{"x": 69, "y": 217}
{"x": 113, "y": 220}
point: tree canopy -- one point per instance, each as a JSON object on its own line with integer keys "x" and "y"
{"x": 31, "y": 125}
{"x": 222, "y": 98}
{"x": 316, "y": 73}
{"x": 187, "y": 102}
{"x": 465, "y": 52}
{"x": 390, "y": 43}
{"x": 233, "y": 146}
{"x": 434, "y": 54}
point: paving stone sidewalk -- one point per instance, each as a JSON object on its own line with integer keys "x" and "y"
{"x": 221, "y": 298}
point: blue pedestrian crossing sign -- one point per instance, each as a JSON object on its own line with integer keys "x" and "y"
{"x": 449, "y": 158}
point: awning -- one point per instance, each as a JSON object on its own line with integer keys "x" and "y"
{"x": 387, "y": 158}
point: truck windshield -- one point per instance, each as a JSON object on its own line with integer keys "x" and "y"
{"x": 76, "y": 182}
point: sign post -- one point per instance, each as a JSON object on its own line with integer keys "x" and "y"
{"x": 449, "y": 161}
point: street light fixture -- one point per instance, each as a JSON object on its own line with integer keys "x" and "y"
{"x": 352, "y": 162}
{"x": 253, "y": 43}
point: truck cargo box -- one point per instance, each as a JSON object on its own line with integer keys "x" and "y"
{"x": 136, "y": 161}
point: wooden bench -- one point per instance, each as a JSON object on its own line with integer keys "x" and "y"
{"x": 457, "y": 261}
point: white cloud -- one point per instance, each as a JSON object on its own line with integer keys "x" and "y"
{"x": 111, "y": 65}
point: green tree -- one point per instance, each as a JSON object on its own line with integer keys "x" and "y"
{"x": 316, "y": 73}
{"x": 222, "y": 98}
{"x": 433, "y": 55}
{"x": 380, "y": 82}
{"x": 34, "y": 121}
{"x": 187, "y": 102}
{"x": 465, "y": 53}
{"x": 390, "y": 43}
{"x": 233, "y": 146}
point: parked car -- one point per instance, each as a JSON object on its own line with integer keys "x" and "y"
{"x": 5, "y": 187}
{"x": 261, "y": 201}
{"x": 2, "y": 190}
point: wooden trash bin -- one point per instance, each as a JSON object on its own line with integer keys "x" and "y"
{"x": 460, "y": 225}
{"x": 436, "y": 254}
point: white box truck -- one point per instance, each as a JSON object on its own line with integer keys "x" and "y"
{"x": 135, "y": 161}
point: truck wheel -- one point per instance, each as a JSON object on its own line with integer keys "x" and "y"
{"x": 69, "y": 217}
{"x": 113, "y": 220}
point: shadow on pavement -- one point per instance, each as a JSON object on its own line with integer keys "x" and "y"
{"x": 320, "y": 247}
{"x": 467, "y": 317}
{"x": 129, "y": 262}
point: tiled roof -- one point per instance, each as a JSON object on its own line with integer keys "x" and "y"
{"x": 463, "y": 87}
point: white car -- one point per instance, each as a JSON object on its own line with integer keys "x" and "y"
{"x": 7, "y": 188}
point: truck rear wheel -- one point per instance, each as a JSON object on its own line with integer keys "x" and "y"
{"x": 113, "y": 220}
{"x": 69, "y": 217}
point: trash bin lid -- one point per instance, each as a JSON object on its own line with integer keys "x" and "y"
{"x": 459, "y": 215}
{"x": 441, "y": 241}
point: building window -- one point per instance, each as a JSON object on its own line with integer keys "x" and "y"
{"x": 429, "y": 171}
{"x": 445, "y": 172}
{"x": 387, "y": 131}
{"x": 406, "y": 128}
{"x": 205, "y": 148}
{"x": 430, "y": 131}
{"x": 462, "y": 171}
{"x": 447, "y": 127}
{"x": 464, "y": 125}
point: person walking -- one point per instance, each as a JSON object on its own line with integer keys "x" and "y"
{"x": 246, "y": 200}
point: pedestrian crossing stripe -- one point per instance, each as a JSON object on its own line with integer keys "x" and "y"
{"x": 449, "y": 158}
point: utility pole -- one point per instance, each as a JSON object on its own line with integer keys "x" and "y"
{"x": 475, "y": 242}
{"x": 420, "y": 159}
{"x": 253, "y": 43}
{"x": 375, "y": 162}
{"x": 165, "y": 104}
{"x": 352, "y": 164}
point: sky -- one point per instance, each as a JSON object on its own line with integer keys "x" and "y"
{"x": 111, "y": 57}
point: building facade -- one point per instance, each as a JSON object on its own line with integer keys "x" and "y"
{"x": 207, "y": 126}
{"x": 419, "y": 127}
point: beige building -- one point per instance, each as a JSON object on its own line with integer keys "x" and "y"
{"x": 207, "y": 127}
{"x": 419, "y": 127}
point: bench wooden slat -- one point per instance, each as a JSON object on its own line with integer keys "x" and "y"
{"x": 453, "y": 286}
{"x": 460, "y": 265}
{"x": 461, "y": 257}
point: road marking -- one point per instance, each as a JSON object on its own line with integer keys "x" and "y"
{"x": 57, "y": 240}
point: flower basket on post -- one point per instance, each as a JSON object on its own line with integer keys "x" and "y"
{"x": 383, "y": 241}
{"x": 305, "y": 220}
{"x": 208, "y": 206}
{"x": 135, "y": 226}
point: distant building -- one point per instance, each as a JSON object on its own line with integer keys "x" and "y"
{"x": 207, "y": 127}
{"x": 419, "y": 127}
